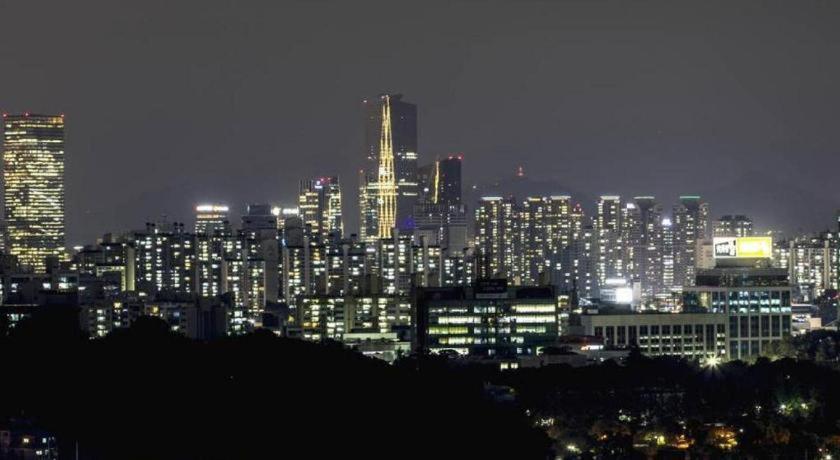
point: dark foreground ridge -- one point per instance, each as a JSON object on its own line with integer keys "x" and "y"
{"x": 146, "y": 392}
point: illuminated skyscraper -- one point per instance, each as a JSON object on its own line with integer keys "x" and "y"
{"x": 33, "y": 161}
{"x": 567, "y": 231}
{"x": 609, "y": 232}
{"x": 667, "y": 237}
{"x": 579, "y": 261}
{"x": 497, "y": 239}
{"x": 368, "y": 208}
{"x": 309, "y": 207}
{"x": 643, "y": 243}
{"x": 386, "y": 183}
{"x": 813, "y": 264}
{"x": 211, "y": 218}
{"x": 259, "y": 226}
{"x": 690, "y": 223}
{"x": 391, "y": 127}
{"x": 212, "y": 235}
{"x": 319, "y": 204}
{"x": 535, "y": 235}
{"x": 629, "y": 234}
{"x": 559, "y": 217}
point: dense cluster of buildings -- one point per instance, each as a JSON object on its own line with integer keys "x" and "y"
{"x": 631, "y": 244}
{"x": 424, "y": 272}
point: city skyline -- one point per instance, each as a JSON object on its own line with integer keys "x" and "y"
{"x": 473, "y": 197}
{"x": 513, "y": 229}
{"x": 629, "y": 101}
{"x": 417, "y": 229}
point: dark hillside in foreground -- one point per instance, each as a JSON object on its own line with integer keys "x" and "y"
{"x": 147, "y": 393}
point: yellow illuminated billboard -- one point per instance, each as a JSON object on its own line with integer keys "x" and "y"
{"x": 749, "y": 247}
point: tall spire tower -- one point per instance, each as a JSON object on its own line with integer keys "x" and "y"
{"x": 391, "y": 156}
{"x": 436, "y": 183}
{"x": 387, "y": 183}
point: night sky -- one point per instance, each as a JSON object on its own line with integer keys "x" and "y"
{"x": 171, "y": 103}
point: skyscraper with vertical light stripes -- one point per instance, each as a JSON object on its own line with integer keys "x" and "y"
{"x": 390, "y": 130}
{"x": 33, "y": 175}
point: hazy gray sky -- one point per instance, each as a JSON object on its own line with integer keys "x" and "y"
{"x": 170, "y": 103}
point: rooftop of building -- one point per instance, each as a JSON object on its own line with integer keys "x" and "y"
{"x": 486, "y": 290}
{"x": 627, "y": 312}
{"x": 741, "y": 277}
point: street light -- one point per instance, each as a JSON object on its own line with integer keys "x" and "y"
{"x": 712, "y": 361}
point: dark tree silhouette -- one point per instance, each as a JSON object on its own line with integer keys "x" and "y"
{"x": 146, "y": 392}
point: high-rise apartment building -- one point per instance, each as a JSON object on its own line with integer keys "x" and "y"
{"x": 259, "y": 226}
{"x": 210, "y": 256}
{"x": 534, "y": 236}
{"x": 165, "y": 259}
{"x": 319, "y": 204}
{"x": 33, "y": 174}
{"x": 497, "y": 241}
{"x": 644, "y": 241}
{"x": 368, "y": 208}
{"x": 812, "y": 262}
{"x": 667, "y": 283}
{"x": 608, "y": 227}
{"x": 578, "y": 268}
{"x": 691, "y": 224}
{"x": 580, "y": 263}
{"x": 546, "y": 230}
{"x": 730, "y": 225}
{"x": 559, "y": 222}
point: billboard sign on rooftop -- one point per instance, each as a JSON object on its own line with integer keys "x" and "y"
{"x": 750, "y": 247}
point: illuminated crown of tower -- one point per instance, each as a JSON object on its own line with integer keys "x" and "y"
{"x": 387, "y": 183}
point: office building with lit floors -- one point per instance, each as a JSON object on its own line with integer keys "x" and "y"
{"x": 488, "y": 319}
{"x": 33, "y": 177}
{"x": 211, "y": 218}
{"x": 687, "y": 335}
{"x": 755, "y": 301}
{"x": 754, "y": 297}
{"x": 735, "y": 310}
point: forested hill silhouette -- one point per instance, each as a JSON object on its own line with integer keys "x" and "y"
{"x": 146, "y": 392}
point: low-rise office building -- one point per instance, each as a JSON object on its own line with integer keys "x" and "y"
{"x": 754, "y": 301}
{"x": 689, "y": 335}
{"x": 486, "y": 319}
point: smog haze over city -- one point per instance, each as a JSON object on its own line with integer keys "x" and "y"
{"x": 172, "y": 103}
